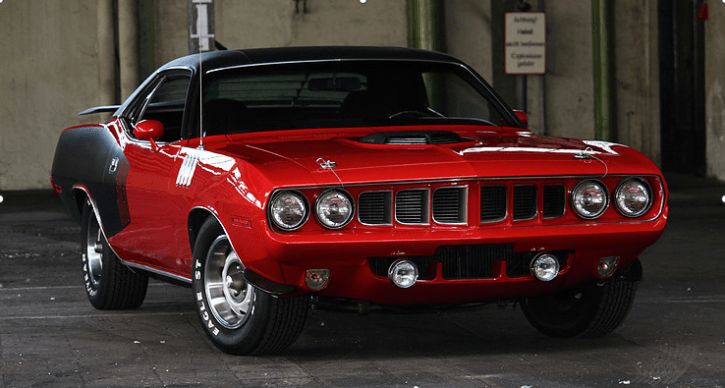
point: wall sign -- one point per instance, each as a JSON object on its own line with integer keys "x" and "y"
{"x": 525, "y": 43}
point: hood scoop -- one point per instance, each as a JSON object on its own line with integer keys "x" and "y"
{"x": 412, "y": 138}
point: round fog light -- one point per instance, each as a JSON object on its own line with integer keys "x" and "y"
{"x": 403, "y": 273}
{"x": 545, "y": 267}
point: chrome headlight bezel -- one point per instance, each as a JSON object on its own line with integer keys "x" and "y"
{"x": 648, "y": 191}
{"x": 321, "y": 218}
{"x": 280, "y": 225}
{"x": 605, "y": 195}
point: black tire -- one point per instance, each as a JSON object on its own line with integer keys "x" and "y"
{"x": 589, "y": 312}
{"x": 271, "y": 324}
{"x": 112, "y": 285}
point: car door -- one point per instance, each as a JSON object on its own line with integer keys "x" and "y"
{"x": 148, "y": 238}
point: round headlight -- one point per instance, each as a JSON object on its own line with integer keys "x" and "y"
{"x": 589, "y": 199}
{"x": 633, "y": 197}
{"x": 288, "y": 210}
{"x": 334, "y": 209}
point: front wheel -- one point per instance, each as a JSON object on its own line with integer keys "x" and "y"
{"x": 591, "y": 311}
{"x": 237, "y": 317}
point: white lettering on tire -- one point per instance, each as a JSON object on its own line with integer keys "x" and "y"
{"x": 202, "y": 307}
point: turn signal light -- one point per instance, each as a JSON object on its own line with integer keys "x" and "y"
{"x": 606, "y": 266}
{"x": 317, "y": 279}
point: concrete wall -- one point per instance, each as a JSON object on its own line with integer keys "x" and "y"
{"x": 49, "y": 73}
{"x": 253, "y": 23}
{"x": 163, "y": 31}
{"x": 715, "y": 90}
{"x": 569, "y": 91}
{"x": 468, "y": 29}
{"x": 637, "y": 75}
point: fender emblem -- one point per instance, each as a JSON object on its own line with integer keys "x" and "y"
{"x": 114, "y": 166}
{"x": 186, "y": 172}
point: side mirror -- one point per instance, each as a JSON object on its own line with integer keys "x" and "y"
{"x": 151, "y": 130}
{"x": 523, "y": 117}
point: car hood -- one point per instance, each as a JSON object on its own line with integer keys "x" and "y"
{"x": 294, "y": 158}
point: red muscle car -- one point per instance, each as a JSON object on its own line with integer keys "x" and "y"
{"x": 391, "y": 176}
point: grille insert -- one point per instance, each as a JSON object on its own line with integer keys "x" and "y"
{"x": 449, "y": 205}
{"x": 374, "y": 208}
{"x": 411, "y": 206}
{"x": 554, "y": 198}
{"x": 493, "y": 203}
{"x": 524, "y": 202}
{"x": 472, "y": 261}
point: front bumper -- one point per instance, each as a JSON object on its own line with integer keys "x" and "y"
{"x": 284, "y": 259}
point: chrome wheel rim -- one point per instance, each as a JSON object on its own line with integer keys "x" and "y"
{"x": 94, "y": 250}
{"x": 229, "y": 295}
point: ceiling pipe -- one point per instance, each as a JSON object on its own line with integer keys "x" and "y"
{"x": 605, "y": 108}
{"x": 426, "y": 26}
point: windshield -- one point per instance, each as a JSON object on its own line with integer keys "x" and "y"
{"x": 345, "y": 94}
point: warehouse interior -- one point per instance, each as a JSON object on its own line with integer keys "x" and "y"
{"x": 647, "y": 74}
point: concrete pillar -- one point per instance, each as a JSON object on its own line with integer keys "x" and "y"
{"x": 468, "y": 34}
{"x": 637, "y": 75}
{"x": 715, "y": 90}
{"x": 569, "y": 80}
{"x": 106, "y": 54}
{"x": 128, "y": 46}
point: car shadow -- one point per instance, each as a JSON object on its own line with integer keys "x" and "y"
{"x": 483, "y": 331}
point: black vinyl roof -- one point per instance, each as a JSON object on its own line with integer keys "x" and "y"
{"x": 214, "y": 60}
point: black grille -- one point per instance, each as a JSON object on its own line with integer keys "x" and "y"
{"x": 374, "y": 208}
{"x": 411, "y": 206}
{"x": 472, "y": 261}
{"x": 553, "y": 201}
{"x": 458, "y": 262}
{"x": 524, "y": 202}
{"x": 449, "y": 205}
{"x": 493, "y": 203}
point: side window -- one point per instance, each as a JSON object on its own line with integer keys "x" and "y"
{"x": 166, "y": 104}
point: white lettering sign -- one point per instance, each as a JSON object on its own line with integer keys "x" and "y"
{"x": 525, "y": 43}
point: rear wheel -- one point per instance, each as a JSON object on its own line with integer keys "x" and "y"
{"x": 110, "y": 285}
{"x": 237, "y": 317}
{"x": 590, "y": 311}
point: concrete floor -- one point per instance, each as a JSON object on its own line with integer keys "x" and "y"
{"x": 51, "y": 336}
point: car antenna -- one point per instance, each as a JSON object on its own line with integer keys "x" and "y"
{"x": 201, "y": 103}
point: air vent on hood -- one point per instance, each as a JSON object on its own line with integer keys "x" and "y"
{"x": 412, "y": 137}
